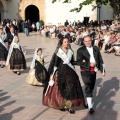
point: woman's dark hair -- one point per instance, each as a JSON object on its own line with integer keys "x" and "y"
{"x": 112, "y": 33}
{"x": 60, "y": 42}
{"x": 11, "y": 26}
{"x": 16, "y": 35}
{"x": 101, "y": 32}
{"x": 39, "y": 49}
{"x": 61, "y": 39}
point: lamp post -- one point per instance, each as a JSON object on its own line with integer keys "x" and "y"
{"x": 99, "y": 5}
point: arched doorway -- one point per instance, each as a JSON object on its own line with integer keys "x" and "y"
{"x": 32, "y": 13}
{"x": 1, "y": 11}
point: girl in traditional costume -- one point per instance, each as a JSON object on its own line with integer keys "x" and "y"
{"x": 3, "y": 48}
{"x": 38, "y": 74}
{"x": 16, "y": 58}
{"x": 64, "y": 90}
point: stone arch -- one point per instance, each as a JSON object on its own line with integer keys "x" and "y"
{"x": 31, "y": 11}
{"x": 39, "y": 4}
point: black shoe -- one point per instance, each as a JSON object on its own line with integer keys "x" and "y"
{"x": 85, "y": 106}
{"x": 2, "y": 66}
{"x": 91, "y": 111}
{"x": 71, "y": 111}
{"x": 18, "y": 73}
{"x": 15, "y": 71}
{"x": 63, "y": 109}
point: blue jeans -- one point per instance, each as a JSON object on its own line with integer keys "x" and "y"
{"x": 26, "y": 31}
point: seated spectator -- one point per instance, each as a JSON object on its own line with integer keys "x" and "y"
{"x": 112, "y": 40}
{"x": 101, "y": 40}
{"x": 106, "y": 39}
{"x": 103, "y": 26}
{"x": 52, "y": 32}
{"x": 43, "y": 31}
{"x": 116, "y": 47}
{"x": 78, "y": 39}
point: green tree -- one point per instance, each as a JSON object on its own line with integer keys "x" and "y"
{"x": 115, "y": 4}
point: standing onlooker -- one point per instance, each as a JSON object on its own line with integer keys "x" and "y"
{"x": 38, "y": 26}
{"x": 26, "y": 28}
{"x": 33, "y": 27}
{"x": 66, "y": 23}
{"x": 74, "y": 23}
{"x": 23, "y": 28}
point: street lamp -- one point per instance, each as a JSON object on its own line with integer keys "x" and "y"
{"x": 99, "y": 5}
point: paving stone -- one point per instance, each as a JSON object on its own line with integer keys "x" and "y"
{"x": 21, "y": 101}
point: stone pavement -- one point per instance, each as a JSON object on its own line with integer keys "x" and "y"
{"x": 21, "y": 101}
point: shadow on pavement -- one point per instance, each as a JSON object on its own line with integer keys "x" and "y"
{"x": 103, "y": 100}
{"x": 9, "y": 116}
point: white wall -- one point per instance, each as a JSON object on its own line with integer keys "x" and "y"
{"x": 12, "y": 9}
{"x": 59, "y": 12}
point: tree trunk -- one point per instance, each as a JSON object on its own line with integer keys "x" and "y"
{"x": 116, "y": 10}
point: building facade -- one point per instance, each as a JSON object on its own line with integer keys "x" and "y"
{"x": 58, "y": 12}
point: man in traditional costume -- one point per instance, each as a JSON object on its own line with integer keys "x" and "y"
{"x": 90, "y": 61}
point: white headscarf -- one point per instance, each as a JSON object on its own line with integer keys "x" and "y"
{"x": 13, "y": 45}
{"x": 34, "y": 58}
{"x": 2, "y": 38}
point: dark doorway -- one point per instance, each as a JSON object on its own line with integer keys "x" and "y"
{"x": 32, "y": 13}
{"x": 86, "y": 20}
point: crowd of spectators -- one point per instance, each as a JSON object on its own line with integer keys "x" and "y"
{"x": 105, "y": 35}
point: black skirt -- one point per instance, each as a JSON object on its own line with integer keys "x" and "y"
{"x": 3, "y": 52}
{"x": 68, "y": 83}
{"x": 17, "y": 60}
{"x": 41, "y": 73}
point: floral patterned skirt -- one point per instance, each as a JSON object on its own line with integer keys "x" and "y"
{"x": 54, "y": 99}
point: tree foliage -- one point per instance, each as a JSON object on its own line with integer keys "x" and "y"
{"x": 115, "y": 4}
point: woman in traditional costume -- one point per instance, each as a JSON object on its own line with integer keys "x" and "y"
{"x": 38, "y": 74}
{"x": 64, "y": 90}
{"x": 3, "y": 48}
{"x": 16, "y": 58}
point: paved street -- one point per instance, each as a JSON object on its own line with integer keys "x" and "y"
{"x": 21, "y": 101}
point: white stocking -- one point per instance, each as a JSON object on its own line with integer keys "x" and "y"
{"x": 89, "y": 101}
